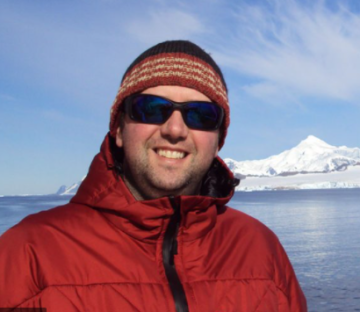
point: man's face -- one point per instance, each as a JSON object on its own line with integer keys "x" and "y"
{"x": 167, "y": 159}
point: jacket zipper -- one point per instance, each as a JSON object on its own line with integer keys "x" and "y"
{"x": 169, "y": 249}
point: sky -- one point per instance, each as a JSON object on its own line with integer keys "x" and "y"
{"x": 292, "y": 70}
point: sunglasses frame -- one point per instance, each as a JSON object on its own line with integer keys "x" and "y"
{"x": 180, "y": 106}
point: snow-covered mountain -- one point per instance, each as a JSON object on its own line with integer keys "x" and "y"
{"x": 71, "y": 190}
{"x": 312, "y": 155}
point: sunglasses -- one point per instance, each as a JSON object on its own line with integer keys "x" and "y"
{"x": 153, "y": 109}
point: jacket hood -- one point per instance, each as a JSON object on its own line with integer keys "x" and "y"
{"x": 104, "y": 190}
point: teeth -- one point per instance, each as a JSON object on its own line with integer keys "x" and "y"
{"x": 171, "y": 154}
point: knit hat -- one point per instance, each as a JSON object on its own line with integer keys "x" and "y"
{"x": 173, "y": 63}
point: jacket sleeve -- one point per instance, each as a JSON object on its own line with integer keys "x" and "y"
{"x": 18, "y": 268}
{"x": 290, "y": 295}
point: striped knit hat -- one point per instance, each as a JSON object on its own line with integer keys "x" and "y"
{"x": 178, "y": 63}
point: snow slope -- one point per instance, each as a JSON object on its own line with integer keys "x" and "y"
{"x": 336, "y": 179}
{"x": 71, "y": 190}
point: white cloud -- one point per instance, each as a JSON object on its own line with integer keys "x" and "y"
{"x": 303, "y": 50}
{"x": 272, "y": 93}
{"x": 164, "y": 24}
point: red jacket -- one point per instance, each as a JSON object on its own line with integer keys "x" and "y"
{"x": 105, "y": 251}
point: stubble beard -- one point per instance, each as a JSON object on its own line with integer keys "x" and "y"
{"x": 146, "y": 182}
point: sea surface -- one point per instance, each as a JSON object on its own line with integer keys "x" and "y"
{"x": 320, "y": 230}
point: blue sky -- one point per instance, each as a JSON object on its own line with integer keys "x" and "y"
{"x": 292, "y": 68}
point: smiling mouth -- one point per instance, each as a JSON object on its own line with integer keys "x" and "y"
{"x": 170, "y": 154}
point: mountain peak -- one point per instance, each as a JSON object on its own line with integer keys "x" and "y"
{"x": 314, "y": 141}
{"x": 312, "y": 138}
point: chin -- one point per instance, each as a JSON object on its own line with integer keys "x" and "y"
{"x": 183, "y": 189}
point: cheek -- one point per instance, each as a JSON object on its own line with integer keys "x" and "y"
{"x": 136, "y": 134}
{"x": 207, "y": 143}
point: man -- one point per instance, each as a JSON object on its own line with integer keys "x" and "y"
{"x": 149, "y": 229}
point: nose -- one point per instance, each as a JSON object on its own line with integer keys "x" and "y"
{"x": 175, "y": 129}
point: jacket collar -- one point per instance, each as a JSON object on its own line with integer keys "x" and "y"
{"x": 145, "y": 220}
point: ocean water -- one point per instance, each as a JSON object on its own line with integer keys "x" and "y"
{"x": 320, "y": 230}
{"x": 14, "y": 208}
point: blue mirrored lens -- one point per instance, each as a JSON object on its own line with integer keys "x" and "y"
{"x": 202, "y": 115}
{"x": 151, "y": 109}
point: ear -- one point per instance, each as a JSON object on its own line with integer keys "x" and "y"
{"x": 119, "y": 139}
